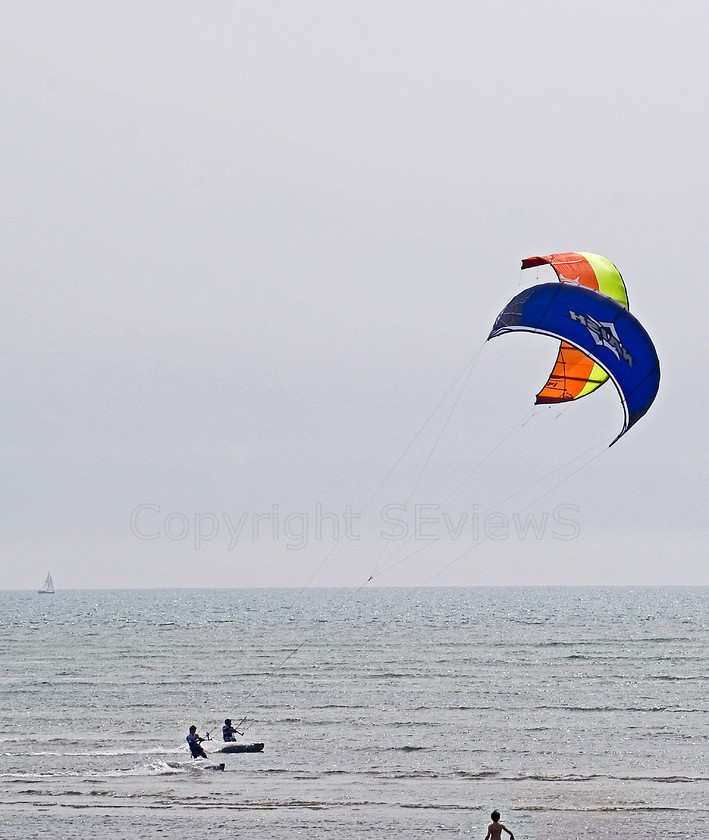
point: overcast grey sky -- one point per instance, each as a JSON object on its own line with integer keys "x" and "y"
{"x": 249, "y": 246}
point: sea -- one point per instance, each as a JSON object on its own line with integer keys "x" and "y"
{"x": 385, "y": 713}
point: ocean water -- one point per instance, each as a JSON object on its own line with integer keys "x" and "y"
{"x": 578, "y": 713}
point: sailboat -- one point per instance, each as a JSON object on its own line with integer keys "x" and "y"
{"x": 48, "y": 588}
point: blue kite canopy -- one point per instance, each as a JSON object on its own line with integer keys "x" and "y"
{"x": 601, "y": 328}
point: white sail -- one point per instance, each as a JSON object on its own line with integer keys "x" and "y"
{"x": 48, "y": 588}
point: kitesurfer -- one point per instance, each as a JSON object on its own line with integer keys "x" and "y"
{"x": 495, "y": 829}
{"x": 194, "y": 741}
{"x": 228, "y": 731}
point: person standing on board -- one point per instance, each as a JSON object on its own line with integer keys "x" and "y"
{"x": 228, "y": 731}
{"x": 495, "y": 829}
{"x": 194, "y": 741}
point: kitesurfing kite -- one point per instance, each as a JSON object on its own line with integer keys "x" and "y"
{"x": 575, "y": 374}
{"x": 594, "y": 324}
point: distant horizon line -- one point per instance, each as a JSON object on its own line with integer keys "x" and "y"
{"x": 360, "y": 587}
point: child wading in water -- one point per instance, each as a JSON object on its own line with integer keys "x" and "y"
{"x": 495, "y": 829}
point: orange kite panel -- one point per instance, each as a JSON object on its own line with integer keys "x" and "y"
{"x": 569, "y": 376}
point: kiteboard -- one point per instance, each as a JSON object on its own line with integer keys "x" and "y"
{"x": 241, "y": 748}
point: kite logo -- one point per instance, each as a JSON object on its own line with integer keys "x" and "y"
{"x": 604, "y": 334}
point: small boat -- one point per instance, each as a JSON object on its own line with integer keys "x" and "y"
{"x": 239, "y": 748}
{"x": 48, "y": 588}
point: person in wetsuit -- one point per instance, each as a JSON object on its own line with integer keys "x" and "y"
{"x": 228, "y": 731}
{"x": 195, "y": 741}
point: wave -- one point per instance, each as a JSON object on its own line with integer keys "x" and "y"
{"x": 406, "y": 748}
{"x": 91, "y": 753}
{"x": 603, "y": 809}
{"x": 596, "y": 709}
{"x": 587, "y": 777}
{"x": 154, "y": 768}
{"x": 677, "y": 677}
